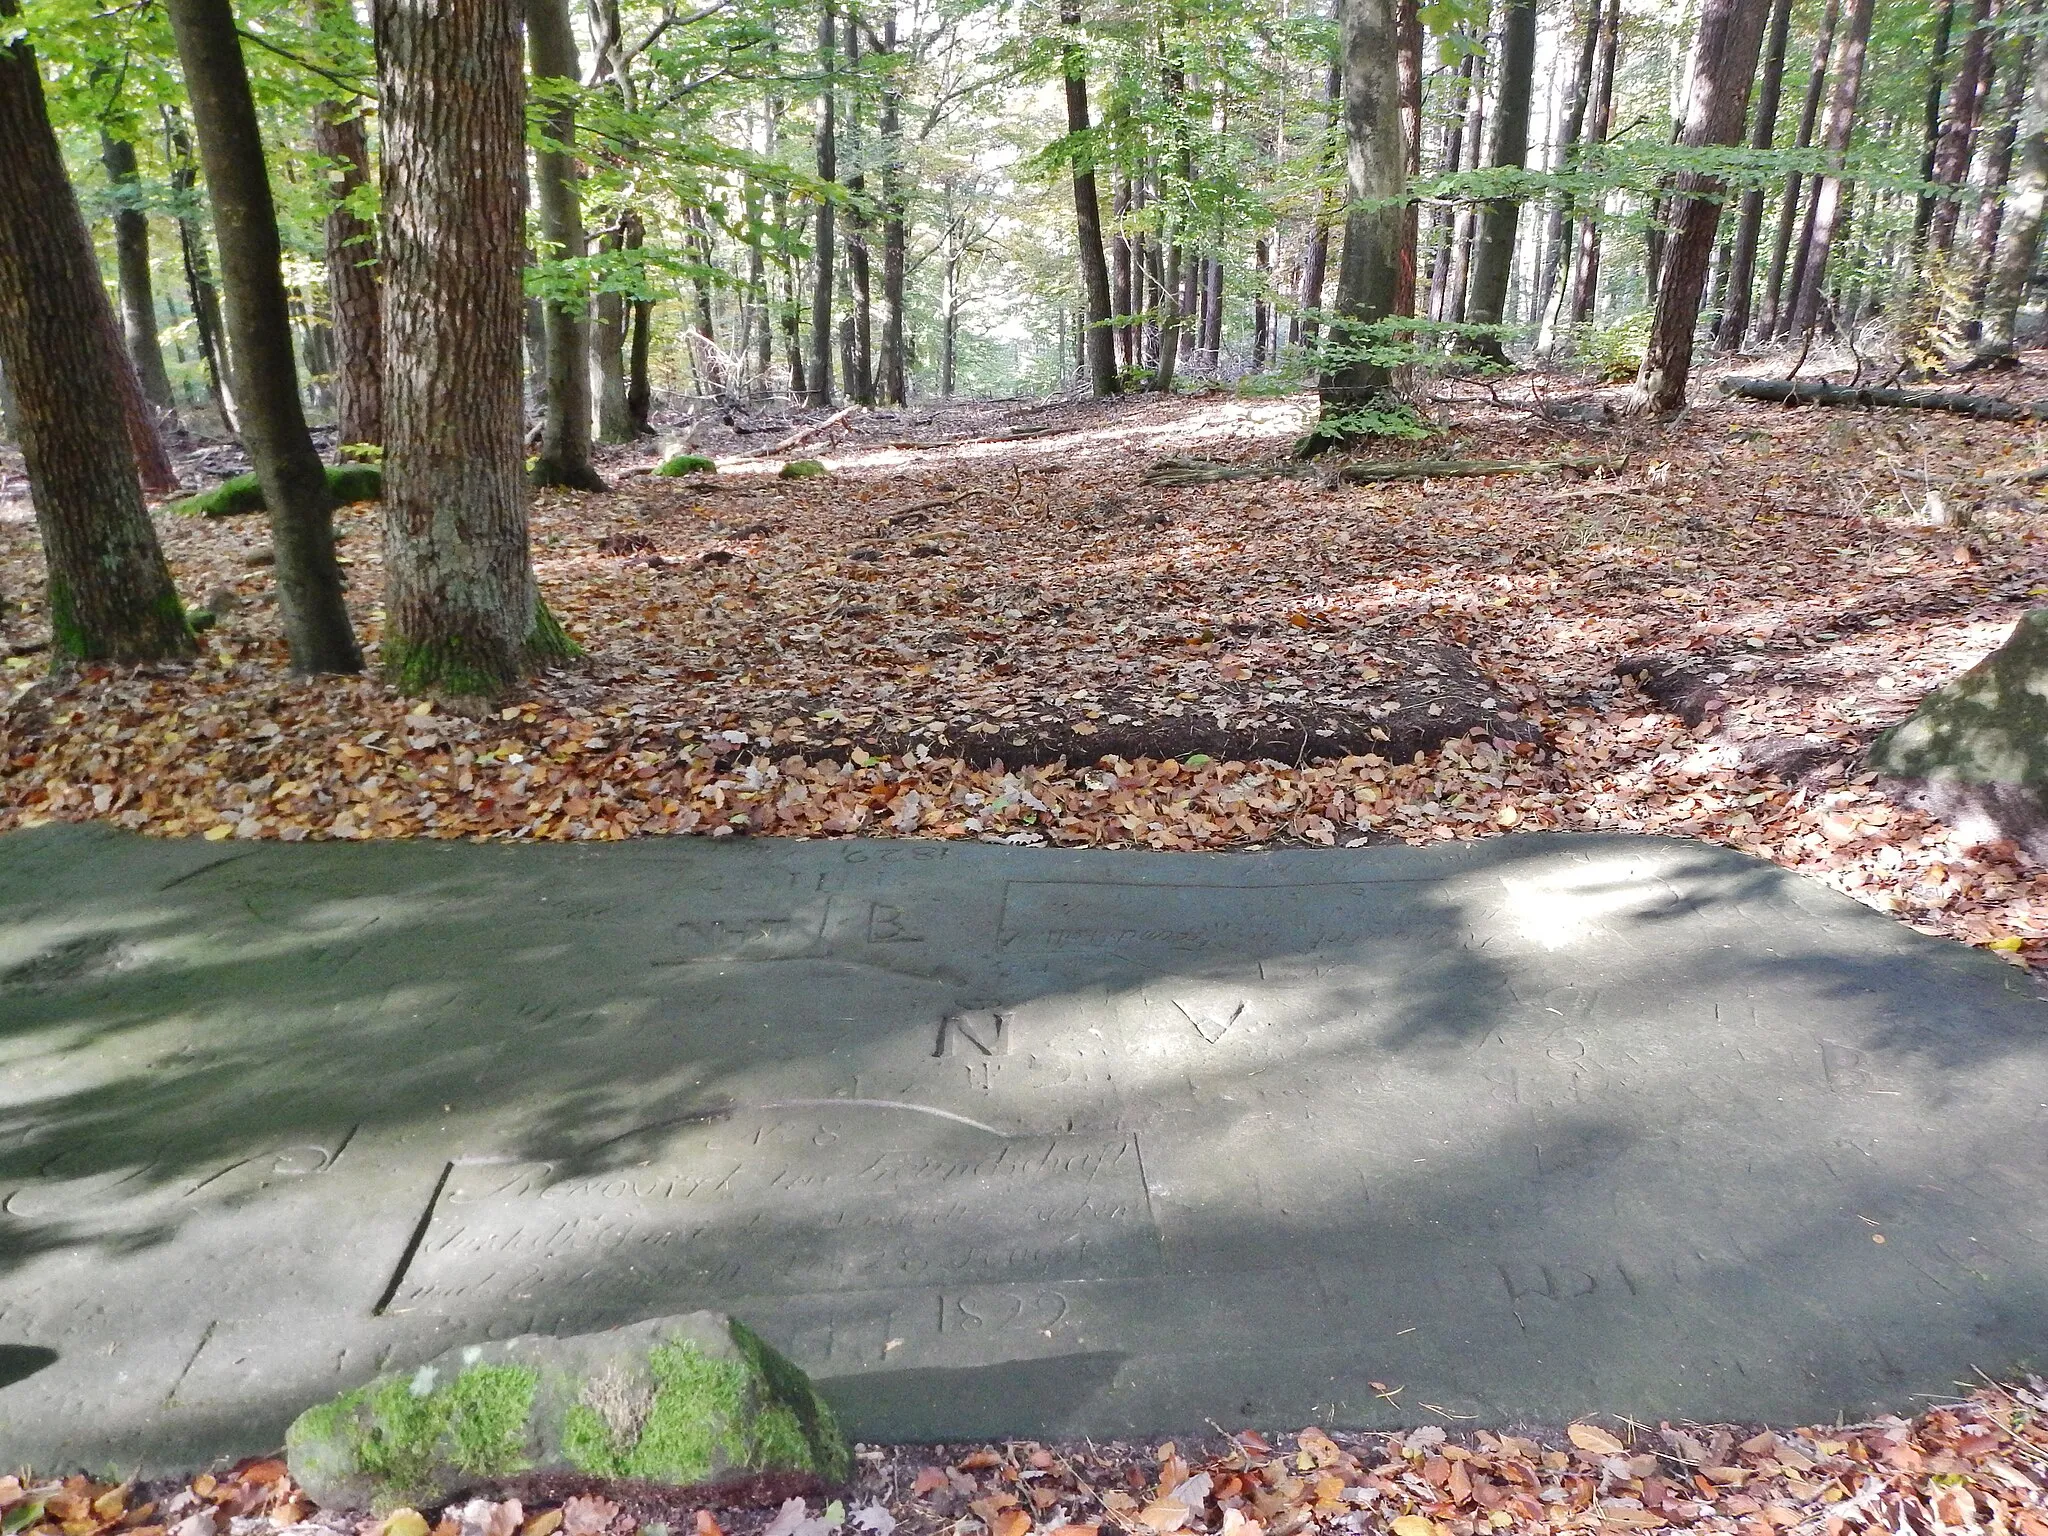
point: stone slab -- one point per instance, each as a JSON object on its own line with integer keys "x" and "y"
{"x": 1002, "y": 1141}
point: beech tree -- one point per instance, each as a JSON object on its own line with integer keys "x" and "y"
{"x": 295, "y": 489}
{"x": 355, "y": 301}
{"x": 1100, "y": 343}
{"x": 110, "y": 592}
{"x": 1493, "y": 252}
{"x": 463, "y": 615}
{"x": 131, "y": 259}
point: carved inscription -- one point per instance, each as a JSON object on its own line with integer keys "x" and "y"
{"x": 769, "y": 1204}
{"x": 1075, "y": 915}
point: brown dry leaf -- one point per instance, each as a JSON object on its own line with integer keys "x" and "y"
{"x": 588, "y": 1515}
{"x": 545, "y": 1523}
{"x": 1010, "y": 1522}
{"x": 1414, "y": 1525}
{"x": 112, "y": 1504}
{"x": 1623, "y": 1517}
{"x": 1594, "y": 1440}
{"x": 928, "y": 1480}
{"x": 1164, "y": 1515}
{"x": 707, "y": 1524}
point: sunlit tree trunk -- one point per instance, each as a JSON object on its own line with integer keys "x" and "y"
{"x": 1724, "y": 66}
{"x": 355, "y": 300}
{"x": 309, "y": 584}
{"x": 131, "y": 263}
{"x": 199, "y": 289}
{"x": 1830, "y": 194}
{"x": 1315, "y": 265}
{"x": 2019, "y": 238}
{"x": 463, "y": 616}
{"x": 1600, "y": 118}
{"x": 1776, "y": 316}
{"x": 564, "y": 457}
{"x": 110, "y": 594}
{"x": 1558, "y": 238}
{"x": 1959, "y": 129}
{"x": 1099, "y": 341}
{"x": 1493, "y": 254}
{"x": 1930, "y": 130}
{"x": 1997, "y": 172}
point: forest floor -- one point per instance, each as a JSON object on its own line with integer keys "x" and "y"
{"x": 984, "y": 623}
{"x": 1969, "y": 1466}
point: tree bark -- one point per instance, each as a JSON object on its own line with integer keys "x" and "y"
{"x": 110, "y": 593}
{"x": 1408, "y": 34}
{"x": 1997, "y": 172}
{"x": 1315, "y": 266}
{"x": 294, "y": 481}
{"x": 1724, "y": 67}
{"x": 1817, "y": 392}
{"x": 1493, "y": 255}
{"x": 1750, "y": 222}
{"x": 355, "y": 298}
{"x": 1374, "y": 165}
{"x": 463, "y": 616}
{"x": 1831, "y": 192}
{"x": 1101, "y": 339}
{"x": 892, "y": 381}
{"x": 1930, "y": 130}
{"x": 1776, "y": 317}
{"x": 564, "y": 457}
{"x": 1558, "y": 238}
{"x": 1586, "y": 263}
{"x": 608, "y": 350}
{"x": 1965, "y": 104}
{"x": 819, "y": 384}
{"x": 2019, "y": 240}
{"x": 131, "y": 260}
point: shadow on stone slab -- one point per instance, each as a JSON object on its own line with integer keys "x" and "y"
{"x": 18, "y": 1362}
{"x": 1028, "y": 1397}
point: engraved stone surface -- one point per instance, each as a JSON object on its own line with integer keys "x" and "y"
{"x": 1002, "y": 1141}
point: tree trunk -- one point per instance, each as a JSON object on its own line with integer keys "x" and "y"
{"x": 463, "y": 616}
{"x": 1831, "y": 192}
{"x": 1750, "y": 222}
{"x": 2019, "y": 239}
{"x": 131, "y": 259}
{"x": 110, "y": 594}
{"x": 893, "y": 383}
{"x": 608, "y": 350}
{"x": 819, "y": 392}
{"x": 1315, "y": 268}
{"x": 1600, "y": 114}
{"x": 1457, "y": 284}
{"x": 1408, "y": 35}
{"x": 354, "y": 299}
{"x": 295, "y": 491}
{"x": 1930, "y": 130}
{"x": 1374, "y": 164}
{"x": 1122, "y": 301}
{"x": 1997, "y": 173}
{"x": 1262, "y": 311}
{"x": 1965, "y": 104}
{"x": 1724, "y": 67}
{"x": 1776, "y": 317}
{"x": 564, "y": 457}
{"x": 1101, "y": 339}
{"x": 199, "y": 289}
{"x": 860, "y": 370}
{"x": 1558, "y": 237}
{"x": 1493, "y": 256}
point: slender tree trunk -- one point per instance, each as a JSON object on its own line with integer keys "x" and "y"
{"x": 893, "y": 383}
{"x": 354, "y": 297}
{"x": 1965, "y": 104}
{"x": 1997, "y": 172}
{"x": 1315, "y": 266}
{"x": 1375, "y": 164}
{"x": 131, "y": 260}
{"x": 1122, "y": 301}
{"x": 1600, "y": 118}
{"x": 860, "y": 376}
{"x": 1408, "y": 32}
{"x": 1262, "y": 309}
{"x": 1776, "y": 319}
{"x": 1494, "y": 254}
{"x": 1750, "y": 221}
{"x": 1445, "y": 224}
{"x": 309, "y": 583}
{"x": 1558, "y": 237}
{"x": 607, "y": 360}
{"x": 1930, "y": 131}
{"x": 820, "y": 379}
{"x": 1101, "y": 339}
{"x": 564, "y": 457}
{"x": 1831, "y": 194}
{"x": 1459, "y": 283}
{"x": 199, "y": 290}
{"x": 110, "y": 594}
{"x": 1724, "y": 67}
{"x": 792, "y": 309}
{"x": 463, "y": 616}
{"x": 639, "y": 388}
{"x": 2019, "y": 239}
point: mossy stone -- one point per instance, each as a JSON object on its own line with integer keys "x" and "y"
{"x": 242, "y": 494}
{"x": 677, "y": 1400}
{"x": 688, "y": 464}
{"x": 802, "y": 469}
{"x": 1989, "y": 726}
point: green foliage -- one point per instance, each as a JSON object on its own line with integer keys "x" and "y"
{"x": 802, "y": 469}
{"x": 688, "y": 464}
{"x": 243, "y": 494}
{"x": 1614, "y": 352}
{"x": 1383, "y": 418}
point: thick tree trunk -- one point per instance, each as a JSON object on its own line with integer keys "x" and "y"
{"x": 131, "y": 260}
{"x": 1830, "y": 193}
{"x": 463, "y": 616}
{"x": 1750, "y": 222}
{"x": 2019, "y": 240}
{"x": 355, "y": 298}
{"x": 819, "y": 390}
{"x": 1775, "y": 319}
{"x": 110, "y": 593}
{"x": 1100, "y": 338}
{"x": 1600, "y": 118}
{"x": 1493, "y": 256}
{"x": 1724, "y": 66}
{"x": 1959, "y": 131}
{"x": 1374, "y": 163}
{"x": 199, "y": 290}
{"x": 295, "y": 490}
{"x": 564, "y": 457}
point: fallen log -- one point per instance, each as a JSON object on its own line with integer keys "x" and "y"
{"x": 1818, "y": 392}
{"x": 796, "y": 439}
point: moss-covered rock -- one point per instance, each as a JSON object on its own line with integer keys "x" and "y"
{"x": 688, "y": 464}
{"x": 676, "y": 1400}
{"x": 241, "y": 495}
{"x": 802, "y": 469}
